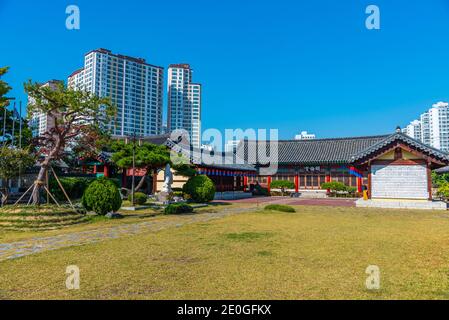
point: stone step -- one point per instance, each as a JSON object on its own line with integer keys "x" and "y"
{"x": 313, "y": 194}
{"x": 401, "y": 204}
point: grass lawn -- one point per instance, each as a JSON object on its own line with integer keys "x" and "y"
{"x": 96, "y": 222}
{"x": 316, "y": 253}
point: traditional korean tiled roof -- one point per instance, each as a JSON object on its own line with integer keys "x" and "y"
{"x": 401, "y": 137}
{"x": 333, "y": 150}
{"x": 318, "y": 151}
{"x": 204, "y": 158}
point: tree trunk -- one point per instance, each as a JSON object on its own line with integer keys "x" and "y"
{"x": 5, "y": 194}
{"x": 40, "y": 181}
{"x": 140, "y": 185}
{"x": 154, "y": 175}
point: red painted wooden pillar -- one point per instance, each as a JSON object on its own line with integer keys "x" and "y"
{"x": 269, "y": 184}
{"x": 95, "y": 169}
{"x": 84, "y": 169}
{"x": 369, "y": 181}
{"x": 359, "y": 185}
{"x": 106, "y": 171}
{"x": 328, "y": 179}
{"x": 296, "y": 183}
{"x": 245, "y": 183}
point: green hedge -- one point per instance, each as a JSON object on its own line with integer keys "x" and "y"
{"x": 280, "y": 207}
{"x": 140, "y": 198}
{"x": 74, "y": 186}
{"x": 102, "y": 197}
{"x": 282, "y": 184}
{"x": 178, "y": 208}
{"x": 334, "y": 186}
{"x": 443, "y": 190}
{"x": 200, "y": 189}
{"x": 339, "y": 189}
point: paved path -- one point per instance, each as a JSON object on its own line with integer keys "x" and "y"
{"x": 334, "y": 202}
{"x": 27, "y": 247}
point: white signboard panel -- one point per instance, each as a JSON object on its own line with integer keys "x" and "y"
{"x": 399, "y": 182}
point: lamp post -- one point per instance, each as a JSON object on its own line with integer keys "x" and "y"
{"x": 134, "y": 168}
{"x": 4, "y": 126}
{"x": 134, "y": 140}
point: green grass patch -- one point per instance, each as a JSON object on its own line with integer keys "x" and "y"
{"x": 247, "y": 236}
{"x": 45, "y": 217}
{"x": 265, "y": 253}
{"x": 280, "y": 207}
{"x": 322, "y": 253}
{"x": 178, "y": 208}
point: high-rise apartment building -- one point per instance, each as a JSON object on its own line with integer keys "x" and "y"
{"x": 41, "y": 122}
{"x": 425, "y": 128}
{"x": 433, "y": 127}
{"x": 184, "y": 102}
{"x": 133, "y": 85}
{"x": 414, "y": 130}
{"x": 439, "y": 126}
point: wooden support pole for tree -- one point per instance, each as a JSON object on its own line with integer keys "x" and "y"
{"x": 62, "y": 188}
{"x": 47, "y": 182}
{"x": 23, "y": 196}
{"x": 53, "y": 198}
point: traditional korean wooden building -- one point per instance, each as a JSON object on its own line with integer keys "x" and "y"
{"x": 391, "y": 166}
{"x": 222, "y": 168}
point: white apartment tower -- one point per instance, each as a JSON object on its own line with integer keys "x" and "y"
{"x": 439, "y": 126}
{"x": 425, "y": 128}
{"x": 433, "y": 127}
{"x": 184, "y": 102}
{"x": 41, "y": 122}
{"x": 133, "y": 85}
{"x": 414, "y": 130}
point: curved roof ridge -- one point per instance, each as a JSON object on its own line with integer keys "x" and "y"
{"x": 400, "y": 135}
{"x": 325, "y": 139}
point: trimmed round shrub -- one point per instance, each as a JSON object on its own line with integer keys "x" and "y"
{"x": 140, "y": 198}
{"x": 280, "y": 207}
{"x": 282, "y": 184}
{"x": 178, "y": 208}
{"x": 102, "y": 196}
{"x": 200, "y": 189}
{"x": 334, "y": 186}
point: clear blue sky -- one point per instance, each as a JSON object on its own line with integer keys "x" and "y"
{"x": 293, "y": 65}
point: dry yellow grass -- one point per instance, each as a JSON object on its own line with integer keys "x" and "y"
{"x": 316, "y": 253}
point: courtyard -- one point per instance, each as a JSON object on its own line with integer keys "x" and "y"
{"x": 240, "y": 251}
